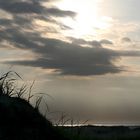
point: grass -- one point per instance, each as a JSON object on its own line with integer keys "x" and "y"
{"x": 18, "y": 118}
{"x": 8, "y": 87}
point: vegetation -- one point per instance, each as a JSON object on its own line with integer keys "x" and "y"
{"x": 19, "y": 120}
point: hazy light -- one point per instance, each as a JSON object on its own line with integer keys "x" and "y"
{"x": 88, "y": 21}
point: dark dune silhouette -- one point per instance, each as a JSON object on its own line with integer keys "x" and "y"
{"x": 21, "y": 121}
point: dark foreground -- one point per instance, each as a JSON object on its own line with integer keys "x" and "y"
{"x": 19, "y": 120}
{"x": 102, "y": 133}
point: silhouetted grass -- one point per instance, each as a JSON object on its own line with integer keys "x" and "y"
{"x": 19, "y": 120}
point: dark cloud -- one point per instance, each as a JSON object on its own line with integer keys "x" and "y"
{"x": 106, "y": 42}
{"x": 64, "y": 27}
{"x": 24, "y": 12}
{"x": 94, "y": 43}
{"x": 32, "y": 6}
{"x": 70, "y": 59}
{"x": 59, "y": 13}
{"x": 18, "y": 6}
{"x": 126, "y": 40}
{"x": 80, "y": 41}
{"x": 61, "y": 56}
{"x": 77, "y": 41}
{"x": 67, "y": 58}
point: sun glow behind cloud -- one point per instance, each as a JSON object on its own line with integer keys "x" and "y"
{"x": 88, "y": 22}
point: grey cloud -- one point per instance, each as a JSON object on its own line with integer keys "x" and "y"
{"x": 94, "y": 43}
{"x": 23, "y": 15}
{"x": 32, "y": 6}
{"x": 130, "y": 53}
{"x": 64, "y": 27}
{"x": 126, "y": 40}
{"x": 80, "y": 41}
{"x": 18, "y": 6}
{"x": 106, "y": 42}
{"x": 24, "y": 12}
{"x": 59, "y": 13}
{"x": 67, "y": 58}
{"x": 4, "y": 22}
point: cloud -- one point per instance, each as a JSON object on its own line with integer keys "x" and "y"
{"x": 59, "y": 13}
{"x": 94, "y": 43}
{"x": 24, "y": 13}
{"x": 129, "y": 53}
{"x": 106, "y": 42}
{"x": 32, "y": 6}
{"x": 126, "y": 40}
{"x": 19, "y": 6}
{"x": 77, "y": 41}
{"x": 61, "y": 56}
{"x": 67, "y": 58}
{"x": 80, "y": 41}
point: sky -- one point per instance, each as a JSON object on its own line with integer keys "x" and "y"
{"x": 83, "y": 53}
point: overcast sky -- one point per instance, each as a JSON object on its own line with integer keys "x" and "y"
{"x": 84, "y": 53}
